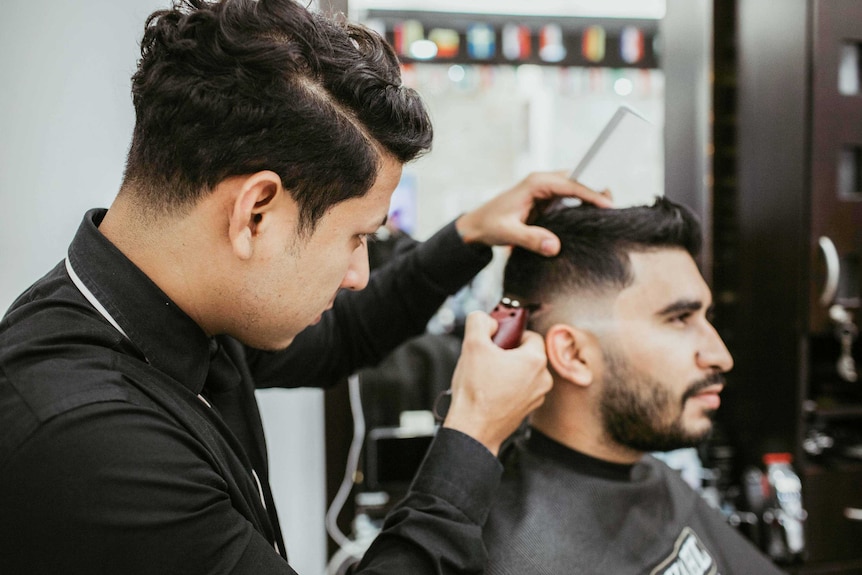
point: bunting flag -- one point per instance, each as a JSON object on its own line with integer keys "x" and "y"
{"x": 551, "y": 47}
{"x": 481, "y": 41}
{"x": 645, "y": 82}
{"x": 516, "y": 42}
{"x": 405, "y": 33}
{"x": 598, "y": 81}
{"x": 447, "y": 41}
{"x": 632, "y": 45}
{"x": 553, "y": 41}
{"x": 593, "y": 44}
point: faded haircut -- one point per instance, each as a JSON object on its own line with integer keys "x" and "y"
{"x": 595, "y": 247}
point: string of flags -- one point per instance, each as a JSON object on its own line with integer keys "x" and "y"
{"x": 576, "y": 81}
{"x": 548, "y": 43}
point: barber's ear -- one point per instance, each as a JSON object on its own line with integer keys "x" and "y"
{"x": 251, "y": 209}
{"x": 567, "y": 349}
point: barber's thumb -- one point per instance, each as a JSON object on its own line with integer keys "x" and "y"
{"x": 534, "y": 340}
{"x": 541, "y": 241}
{"x": 479, "y": 324}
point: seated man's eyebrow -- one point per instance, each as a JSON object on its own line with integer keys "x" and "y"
{"x": 680, "y": 306}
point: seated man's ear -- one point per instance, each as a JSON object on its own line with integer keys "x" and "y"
{"x": 568, "y": 350}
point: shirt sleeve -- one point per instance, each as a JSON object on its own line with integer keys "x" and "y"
{"x": 116, "y": 488}
{"x": 364, "y": 326}
{"x": 437, "y": 528}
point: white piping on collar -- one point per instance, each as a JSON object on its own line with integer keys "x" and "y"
{"x": 263, "y": 501}
{"x": 85, "y": 291}
{"x": 259, "y": 487}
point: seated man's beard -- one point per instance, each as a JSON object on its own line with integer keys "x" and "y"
{"x": 640, "y": 413}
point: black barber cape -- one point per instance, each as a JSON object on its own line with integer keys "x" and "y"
{"x": 562, "y": 512}
{"x": 137, "y": 447}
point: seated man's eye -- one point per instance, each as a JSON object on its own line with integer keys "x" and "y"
{"x": 681, "y": 318}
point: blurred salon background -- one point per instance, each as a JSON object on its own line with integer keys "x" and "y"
{"x": 755, "y": 119}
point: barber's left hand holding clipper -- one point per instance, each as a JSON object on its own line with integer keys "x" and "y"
{"x": 493, "y": 389}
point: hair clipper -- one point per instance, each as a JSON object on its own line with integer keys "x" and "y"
{"x": 511, "y": 316}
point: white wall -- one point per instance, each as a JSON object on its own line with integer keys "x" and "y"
{"x": 495, "y": 124}
{"x": 65, "y": 122}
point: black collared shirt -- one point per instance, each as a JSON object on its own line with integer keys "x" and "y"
{"x": 131, "y": 442}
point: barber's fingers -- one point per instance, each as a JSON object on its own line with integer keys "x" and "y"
{"x": 533, "y": 348}
{"x": 535, "y": 239}
{"x": 548, "y": 185}
{"x": 493, "y": 389}
{"x": 505, "y": 218}
{"x": 543, "y": 189}
{"x": 480, "y": 326}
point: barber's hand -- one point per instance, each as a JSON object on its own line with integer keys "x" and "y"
{"x": 501, "y": 220}
{"x": 493, "y": 389}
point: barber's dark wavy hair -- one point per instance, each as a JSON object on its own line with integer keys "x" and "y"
{"x": 596, "y": 243}
{"x": 237, "y": 86}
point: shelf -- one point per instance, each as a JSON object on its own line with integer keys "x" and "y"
{"x": 847, "y": 411}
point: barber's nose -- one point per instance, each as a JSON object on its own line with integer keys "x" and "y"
{"x": 713, "y": 354}
{"x": 358, "y": 270}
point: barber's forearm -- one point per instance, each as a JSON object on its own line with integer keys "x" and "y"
{"x": 437, "y": 528}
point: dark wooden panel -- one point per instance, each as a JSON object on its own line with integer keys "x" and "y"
{"x": 762, "y": 405}
{"x": 828, "y": 495}
{"x": 836, "y": 124}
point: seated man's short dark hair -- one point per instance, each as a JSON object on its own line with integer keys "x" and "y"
{"x": 595, "y": 243}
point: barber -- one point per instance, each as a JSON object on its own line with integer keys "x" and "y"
{"x": 267, "y": 144}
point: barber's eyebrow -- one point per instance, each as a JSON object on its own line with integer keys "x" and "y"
{"x": 380, "y": 224}
{"x": 680, "y": 306}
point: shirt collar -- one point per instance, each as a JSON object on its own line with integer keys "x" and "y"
{"x": 540, "y": 443}
{"x": 170, "y": 340}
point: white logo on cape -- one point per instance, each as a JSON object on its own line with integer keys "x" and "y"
{"x": 689, "y": 557}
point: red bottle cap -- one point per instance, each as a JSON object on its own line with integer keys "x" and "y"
{"x": 770, "y": 458}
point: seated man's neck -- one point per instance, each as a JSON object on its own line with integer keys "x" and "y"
{"x": 582, "y": 432}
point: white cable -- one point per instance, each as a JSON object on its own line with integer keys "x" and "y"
{"x": 340, "y": 562}
{"x": 347, "y": 545}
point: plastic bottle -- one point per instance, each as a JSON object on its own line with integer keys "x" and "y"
{"x": 786, "y": 514}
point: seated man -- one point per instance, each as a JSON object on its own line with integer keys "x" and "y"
{"x": 637, "y": 367}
